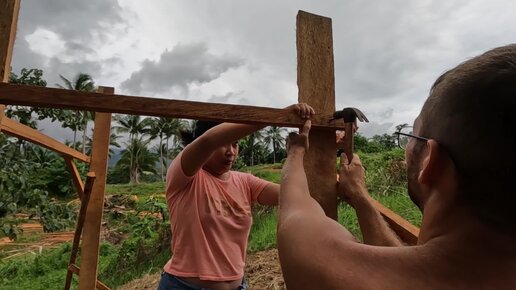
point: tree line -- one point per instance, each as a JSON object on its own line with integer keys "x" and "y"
{"x": 150, "y": 143}
{"x": 32, "y": 176}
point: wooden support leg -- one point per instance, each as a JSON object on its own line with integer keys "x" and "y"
{"x": 92, "y": 225}
{"x": 317, "y": 88}
{"x": 78, "y": 229}
{"x": 76, "y": 177}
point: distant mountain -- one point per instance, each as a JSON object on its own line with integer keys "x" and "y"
{"x": 117, "y": 154}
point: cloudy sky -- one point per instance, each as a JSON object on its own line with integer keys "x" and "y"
{"x": 387, "y": 53}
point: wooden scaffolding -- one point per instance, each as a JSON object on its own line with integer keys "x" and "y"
{"x": 315, "y": 78}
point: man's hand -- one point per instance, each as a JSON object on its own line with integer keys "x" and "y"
{"x": 352, "y": 180}
{"x": 299, "y": 141}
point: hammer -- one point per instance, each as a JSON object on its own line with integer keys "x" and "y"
{"x": 350, "y": 116}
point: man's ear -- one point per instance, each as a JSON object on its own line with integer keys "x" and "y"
{"x": 431, "y": 166}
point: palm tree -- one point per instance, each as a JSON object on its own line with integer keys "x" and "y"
{"x": 79, "y": 120}
{"x": 174, "y": 126}
{"x": 250, "y": 144}
{"x": 157, "y": 130}
{"x": 273, "y": 136}
{"x": 132, "y": 124}
{"x": 112, "y": 143}
{"x": 137, "y": 159}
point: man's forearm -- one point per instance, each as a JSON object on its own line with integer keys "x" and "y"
{"x": 375, "y": 230}
{"x": 294, "y": 194}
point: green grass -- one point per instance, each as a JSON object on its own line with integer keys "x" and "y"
{"x": 43, "y": 271}
{"x": 263, "y": 230}
{"x": 142, "y": 189}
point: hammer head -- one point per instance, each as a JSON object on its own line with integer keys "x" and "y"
{"x": 350, "y": 115}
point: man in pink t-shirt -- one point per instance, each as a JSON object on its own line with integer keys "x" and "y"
{"x": 210, "y": 208}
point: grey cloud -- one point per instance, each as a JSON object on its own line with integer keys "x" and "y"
{"x": 183, "y": 65}
{"x": 370, "y": 129}
{"x": 74, "y": 20}
{"x": 77, "y": 23}
{"x": 229, "y": 98}
{"x": 70, "y": 70}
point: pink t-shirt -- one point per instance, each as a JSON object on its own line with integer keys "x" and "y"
{"x": 210, "y": 220}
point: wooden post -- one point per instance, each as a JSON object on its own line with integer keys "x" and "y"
{"x": 9, "y": 10}
{"x": 316, "y": 84}
{"x": 92, "y": 224}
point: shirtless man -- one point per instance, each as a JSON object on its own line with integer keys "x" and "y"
{"x": 461, "y": 164}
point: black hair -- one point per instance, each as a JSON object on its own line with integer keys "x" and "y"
{"x": 188, "y": 136}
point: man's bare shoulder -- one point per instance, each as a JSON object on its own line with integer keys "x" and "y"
{"x": 357, "y": 266}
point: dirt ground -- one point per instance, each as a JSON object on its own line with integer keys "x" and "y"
{"x": 262, "y": 273}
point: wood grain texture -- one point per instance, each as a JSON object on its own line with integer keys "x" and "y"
{"x": 92, "y": 224}
{"x": 76, "y": 177}
{"x": 24, "y": 132}
{"x": 9, "y": 10}
{"x": 315, "y": 79}
{"x": 68, "y": 99}
{"x": 90, "y": 178}
{"x": 408, "y": 232}
{"x": 76, "y": 270}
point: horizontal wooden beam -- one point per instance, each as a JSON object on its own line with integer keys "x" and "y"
{"x": 24, "y": 132}
{"x": 408, "y": 232}
{"x": 24, "y": 95}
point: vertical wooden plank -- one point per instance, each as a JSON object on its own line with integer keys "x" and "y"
{"x": 92, "y": 224}
{"x": 9, "y": 10}
{"x": 76, "y": 177}
{"x": 316, "y": 83}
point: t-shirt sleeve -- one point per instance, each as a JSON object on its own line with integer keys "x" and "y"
{"x": 256, "y": 186}
{"x": 176, "y": 178}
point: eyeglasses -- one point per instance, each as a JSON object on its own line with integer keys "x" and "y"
{"x": 404, "y": 135}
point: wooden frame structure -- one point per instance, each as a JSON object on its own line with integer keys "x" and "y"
{"x": 316, "y": 87}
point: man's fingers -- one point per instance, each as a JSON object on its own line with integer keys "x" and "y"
{"x": 306, "y": 128}
{"x": 343, "y": 159}
{"x": 356, "y": 159}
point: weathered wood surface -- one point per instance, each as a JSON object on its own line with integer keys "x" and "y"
{"x": 67, "y": 99}
{"x": 315, "y": 79}
{"x": 92, "y": 224}
{"x": 9, "y": 10}
{"x": 76, "y": 270}
{"x": 24, "y": 132}
{"x": 90, "y": 178}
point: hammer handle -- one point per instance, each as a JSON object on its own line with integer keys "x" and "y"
{"x": 348, "y": 140}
